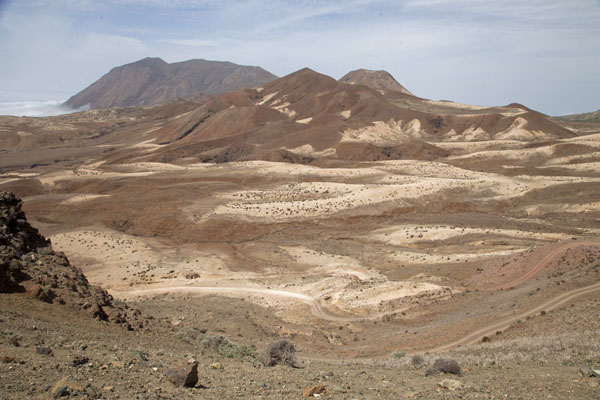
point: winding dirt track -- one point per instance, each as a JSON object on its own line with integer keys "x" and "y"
{"x": 476, "y": 336}
{"x": 544, "y": 262}
{"x": 315, "y": 305}
{"x": 318, "y": 311}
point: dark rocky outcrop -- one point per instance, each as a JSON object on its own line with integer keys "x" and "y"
{"x": 29, "y": 264}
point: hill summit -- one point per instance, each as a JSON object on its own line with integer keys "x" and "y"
{"x": 378, "y": 80}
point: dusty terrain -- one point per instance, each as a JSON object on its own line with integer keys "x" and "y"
{"x": 487, "y": 253}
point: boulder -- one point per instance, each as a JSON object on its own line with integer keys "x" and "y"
{"x": 184, "y": 375}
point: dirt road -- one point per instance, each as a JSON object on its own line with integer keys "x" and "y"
{"x": 544, "y": 262}
{"x": 316, "y": 308}
{"x": 490, "y": 330}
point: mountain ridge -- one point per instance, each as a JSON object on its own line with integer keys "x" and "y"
{"x": 152, "y": 81}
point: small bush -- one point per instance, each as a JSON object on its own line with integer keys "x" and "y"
{"x": 225, "y": 348}
{"x": 187, "y": 334}
{"x": 442, "y": 365}
{"x": 279, "y": 352}
{"x": 397, "y": 355}
{"x": 417, "y": 359}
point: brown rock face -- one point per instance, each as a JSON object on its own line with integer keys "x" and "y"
{"x": 152, "y": 81}
{"x": 184, "y": 375}
{"x": 17, "y": 238}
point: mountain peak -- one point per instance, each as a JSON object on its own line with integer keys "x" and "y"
{"x": 151, "y": 81}
{"x": 149, "y": 62}
{"x": 375, "y": 79}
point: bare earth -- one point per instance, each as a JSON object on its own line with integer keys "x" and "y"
{"x": 490, "y": 255}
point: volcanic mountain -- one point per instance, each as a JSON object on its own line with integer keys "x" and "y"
{"x": 152, "y": 81}
{"x": 307, "y": 116}
{"x": 381, "y": 80}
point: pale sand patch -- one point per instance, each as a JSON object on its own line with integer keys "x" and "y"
{"x": 85, "y": 172}
{"x": 183, "y": 115}
{"x": 517, "y": 131}
{"x": 352, "y": 288}
{"x": 308, "y": 150}
{"x": 509, "y": 154}
{"x": 266, "y": 98}
{"x": 364, "y": 297}
{"x": 385, "y": 133}
{"x": 414, "y": 257}
{"x": 83, "y": 197}
{"x": 581, "y": 167}
{"x": 21, "y": 174}
{"x": 570, "y": 160}
{"x": 346, "y": 114}
{"x": 147, "y": 144}
{"x": 472, "y": 133}
{"x": 283, "y": 108}
{"x": 395, "y": 183}
{"x": 116, "y": 260}
{"x": 485, "y": 145}
{"x": 329, "y": 262}
{"x": 592, "y": 138}
{"x": 541, "y": 209}
{"x": 148, "y": 166}
{"x": 452, "y": 104}
{"x": 304, "y": 120}
{"x": 410, "y": 234}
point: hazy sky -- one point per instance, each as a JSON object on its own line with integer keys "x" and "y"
{"x": 542, "y": 53}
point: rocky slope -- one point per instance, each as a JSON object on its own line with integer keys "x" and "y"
{"x": 28, "y": 264}
{"x": 152, "y": 81}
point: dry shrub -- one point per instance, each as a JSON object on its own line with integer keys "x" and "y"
{"x": 279, "y": 352}
{"x": 443, "y": 365}
{"x": 417, "y": 359}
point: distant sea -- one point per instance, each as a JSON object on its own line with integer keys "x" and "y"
{"x": 36, "y": 108}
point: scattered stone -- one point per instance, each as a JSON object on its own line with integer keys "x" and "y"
{"x": 7, "y": 359}
{"x": 184, "y": 375}
{"x": 314, "y": 390}
{"x": 216, "y": 365}
{"x": 139, "y": 356}
{"x": 43, "y": 294}
{"x": 451, "y": 384}
{"x": 80, "y": 360}
{"x": 97, "y": 312}
{"x": 66, "y": 387}
{"x": 45, "y": 351}
{"x": 589, "y": 372}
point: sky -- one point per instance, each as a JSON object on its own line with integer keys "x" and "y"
{"x": 544, "y": 54}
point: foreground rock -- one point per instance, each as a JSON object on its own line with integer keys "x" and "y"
{"x": 184, "y": 375}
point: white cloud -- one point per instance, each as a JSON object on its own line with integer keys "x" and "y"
{"x": 36, "y": 108}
